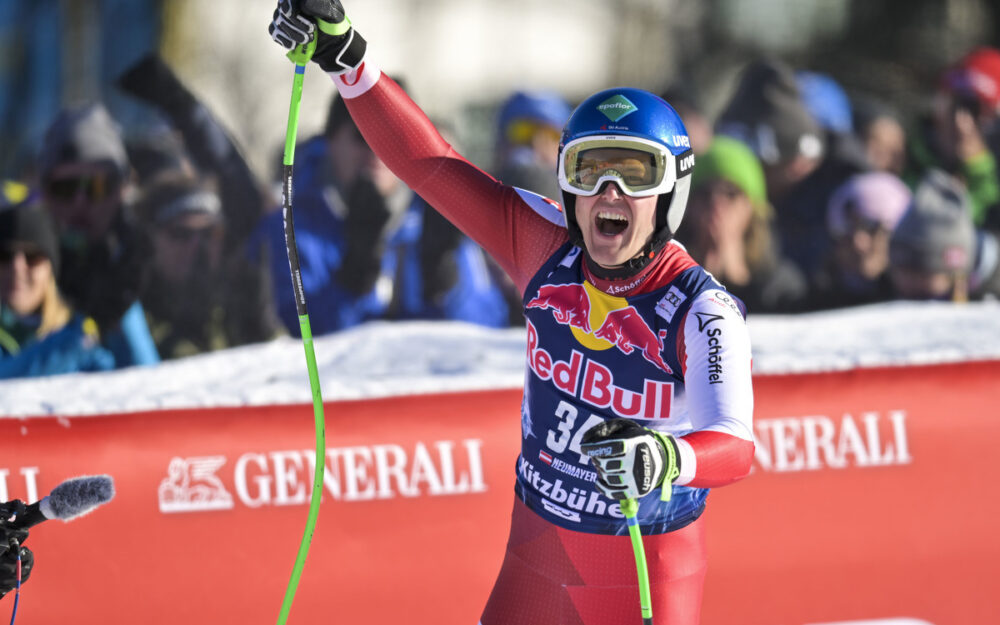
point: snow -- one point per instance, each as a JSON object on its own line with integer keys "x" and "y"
{"x": 403, "y": 358}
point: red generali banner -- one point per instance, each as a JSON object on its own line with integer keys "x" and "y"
{"x": 872, "y": 501}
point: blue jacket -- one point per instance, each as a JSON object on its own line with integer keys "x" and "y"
{"x": 321, "y": 243}
{"x": 475, "y": 297}
{"x": 78, "y": 346}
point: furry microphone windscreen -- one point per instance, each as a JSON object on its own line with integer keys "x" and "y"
{"x": 78, "y": 496}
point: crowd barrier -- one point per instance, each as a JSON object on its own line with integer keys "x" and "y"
{"x": 870, "y": 501}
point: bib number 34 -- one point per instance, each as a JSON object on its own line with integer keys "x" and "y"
{"x": 567, "y": 433}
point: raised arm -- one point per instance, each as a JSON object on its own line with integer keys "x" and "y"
{"x": 518, "y": 229}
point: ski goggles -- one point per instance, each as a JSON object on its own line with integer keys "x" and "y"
{"x": 639, "y": 167}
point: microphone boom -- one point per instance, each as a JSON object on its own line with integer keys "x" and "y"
{"x": 71, "y": 499}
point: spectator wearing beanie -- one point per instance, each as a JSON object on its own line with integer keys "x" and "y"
{"x": 932, "y": 250}
{"x": 529, "y": 126}
{"x": 826, "y": 101}
{"x": 860, "y": 219}
{"x": 345, "y": 203}
{"x": 767, "y": 113}
{"x": 39, "y": 333}
{"x": 85, "y": 180}
{"x": 30, "y": 304}
{"x": 803, "y": 162}
{"x": 197, "y": 297}
{"x": 727, "y": 229}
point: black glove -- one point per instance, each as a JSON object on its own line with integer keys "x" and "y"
{"x": 339, "y": 48}
{"x": 11, "y": 543}
{"x": 631, "y": 460}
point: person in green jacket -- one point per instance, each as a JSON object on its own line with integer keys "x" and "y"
{"x": 962, "y": 133}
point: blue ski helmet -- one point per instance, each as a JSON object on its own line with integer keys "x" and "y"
{"x": 634, "y": 119}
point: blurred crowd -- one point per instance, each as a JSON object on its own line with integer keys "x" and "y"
{"x": 123, "y": 251}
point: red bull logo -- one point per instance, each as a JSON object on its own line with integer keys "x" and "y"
{"x": 570, "y": 304}
{"x": 600, "y": 321}
{"x": 594, "y": 383}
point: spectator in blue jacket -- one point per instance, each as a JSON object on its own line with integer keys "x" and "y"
{"x": 368, "y": 247}
{"x": 40, "y": 334}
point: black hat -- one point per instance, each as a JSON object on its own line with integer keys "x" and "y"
{"x": 767, "y": 113}
{"x": 28, "y": 227}
{"x": 83, "y": 135}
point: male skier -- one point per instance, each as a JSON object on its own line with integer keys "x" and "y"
{"x": 636, "y": 356}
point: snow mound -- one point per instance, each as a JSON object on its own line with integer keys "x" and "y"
{"x": 390, "y": 359}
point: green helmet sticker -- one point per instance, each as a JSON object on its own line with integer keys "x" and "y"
{"x": 616, "y": 107}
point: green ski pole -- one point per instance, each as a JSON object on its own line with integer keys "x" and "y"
{"x": 630, "y": 508}
{"x": 300, "y": 56}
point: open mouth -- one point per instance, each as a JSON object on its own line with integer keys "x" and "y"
{"x": 610, "y": 224}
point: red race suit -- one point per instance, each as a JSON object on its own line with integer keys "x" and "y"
{"x": 667, "y": 347}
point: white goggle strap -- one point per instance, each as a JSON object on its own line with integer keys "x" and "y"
{"x": 682, "y": 188}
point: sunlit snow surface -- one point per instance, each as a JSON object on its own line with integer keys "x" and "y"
{"x": 385, "y": 359}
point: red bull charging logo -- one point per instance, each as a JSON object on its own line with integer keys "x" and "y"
{"x": 600, "y": 321}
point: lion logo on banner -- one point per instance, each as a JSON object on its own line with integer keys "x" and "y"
{"x": 192, "y": 486}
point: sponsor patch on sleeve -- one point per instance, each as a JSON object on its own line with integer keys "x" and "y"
{"x": 724, "y": 300}
{"x": 668, "y": 304}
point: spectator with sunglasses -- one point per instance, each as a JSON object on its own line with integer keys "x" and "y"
{"x": 40, "y": 334}
{"x": 198, "y": 203}
{"x": 85, "y": 180}
{"x": 198, "y": 298}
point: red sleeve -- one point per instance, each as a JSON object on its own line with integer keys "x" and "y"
{"x": 490, "y": 213}
{"x": 721, "y": 458}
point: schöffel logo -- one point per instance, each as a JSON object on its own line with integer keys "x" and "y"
{"x": 705, "y": 319}
{"x": 616, "y": 107}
